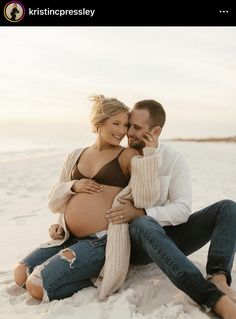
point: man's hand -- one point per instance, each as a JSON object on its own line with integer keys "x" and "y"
{"x": 124, "y": 213}
{"x": 149, "y": 140}
{"x": 56, "y": 232}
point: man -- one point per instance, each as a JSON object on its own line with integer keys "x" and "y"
{"x": 167, "y": 233}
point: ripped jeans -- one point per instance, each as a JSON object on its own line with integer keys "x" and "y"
{"x": 62, "y": 277}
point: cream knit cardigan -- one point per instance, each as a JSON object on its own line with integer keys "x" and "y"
{"x": 143, "y": 189}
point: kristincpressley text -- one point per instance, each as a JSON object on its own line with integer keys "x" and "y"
{"x": 61, "y": 12}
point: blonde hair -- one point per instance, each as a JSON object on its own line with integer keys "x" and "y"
{"x": 104, "y": 108}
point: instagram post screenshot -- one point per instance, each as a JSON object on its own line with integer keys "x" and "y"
{"x": 117, "y": 160}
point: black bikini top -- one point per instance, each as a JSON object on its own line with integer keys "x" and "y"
{"x": 110, "y": 174}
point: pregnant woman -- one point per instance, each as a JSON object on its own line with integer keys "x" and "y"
{"x": 89, "y": 181}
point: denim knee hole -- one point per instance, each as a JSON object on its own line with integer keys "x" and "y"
{"x": 70, "y": 260}
{"x": 36, "y": 279}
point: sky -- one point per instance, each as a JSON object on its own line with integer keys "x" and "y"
{"x": 48, "y": 74}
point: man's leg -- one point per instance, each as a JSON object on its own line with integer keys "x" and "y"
{"x": 215, "y": 223}
{"x": 147, "y": 235}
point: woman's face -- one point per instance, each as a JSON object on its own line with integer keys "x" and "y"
{"x": 115, "y": 128}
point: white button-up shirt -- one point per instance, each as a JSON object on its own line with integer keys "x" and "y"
{"x": 174, "y": 204}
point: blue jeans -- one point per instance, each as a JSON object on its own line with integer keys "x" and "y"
{"x": 62, "y": 278}
{"x": 168, "y": 247}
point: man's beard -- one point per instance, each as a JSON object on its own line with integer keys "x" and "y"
{"x": 139, "y": 144}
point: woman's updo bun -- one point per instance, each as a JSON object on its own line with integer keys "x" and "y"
{"x": 104, "y": 108}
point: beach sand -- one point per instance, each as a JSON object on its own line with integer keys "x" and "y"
{"x": 147, "y": 293}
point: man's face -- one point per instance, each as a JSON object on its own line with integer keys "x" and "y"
{"x": 139, "y": 125}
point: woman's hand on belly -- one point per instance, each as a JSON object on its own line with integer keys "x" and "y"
{"x": 86, "y": 185}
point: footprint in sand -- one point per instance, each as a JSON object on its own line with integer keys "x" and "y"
{"x": 32, "y": 302}
{"x": 14, "y": 290}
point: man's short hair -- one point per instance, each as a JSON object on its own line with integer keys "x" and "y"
{"x": 156, "y": 112}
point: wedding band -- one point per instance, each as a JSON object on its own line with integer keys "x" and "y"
{"x": 121, "y": 217}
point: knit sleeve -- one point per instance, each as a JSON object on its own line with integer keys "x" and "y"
{"x": 144, "y": 180}
{"x": 145, "y": 192}
{"x": 61, "y": 192}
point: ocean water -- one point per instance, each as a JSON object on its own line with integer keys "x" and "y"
{"x": 14, "y": 149}
{"x": 17, "y": 148}
{"x": 212, "y": 165}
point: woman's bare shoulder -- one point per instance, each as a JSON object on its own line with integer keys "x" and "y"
{"x": 128, "y": 153}
{"x": 125, "y": 160}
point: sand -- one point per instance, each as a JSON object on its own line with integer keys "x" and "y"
{"x": 25, "y": 181}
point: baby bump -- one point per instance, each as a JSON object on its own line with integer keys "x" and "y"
{"x": 85, "y": 213}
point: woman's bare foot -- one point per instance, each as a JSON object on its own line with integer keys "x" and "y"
{"x": 220, "y": 281}
{"x": 225, "y": 308}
